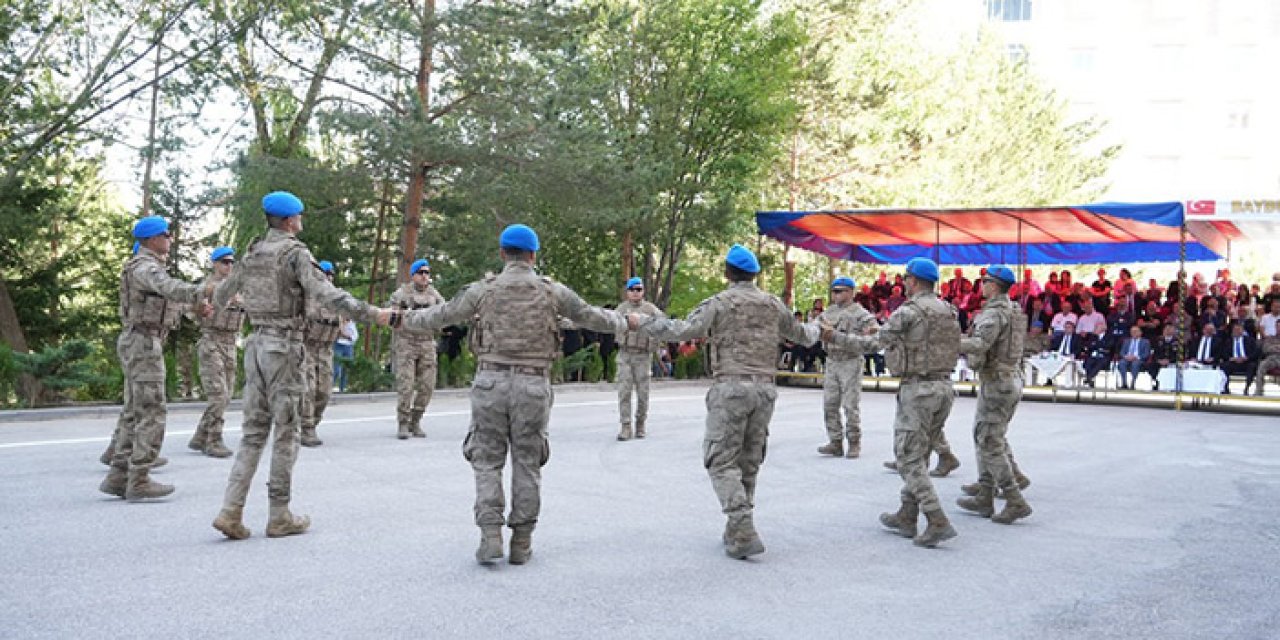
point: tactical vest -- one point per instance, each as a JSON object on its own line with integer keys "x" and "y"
{"x": 323, "y": 325}
{"x": 1271, "y": 345}
{"x": 931, "y": 351}
{"x": 745, "y": 337}
{"x": 852, "y": 319}
{"x": 408, "y": 300}
{"x": 1006, "y": 352}
{"x": 637, "y": 340}
{"x": 142, "y": 308}
{"x": 517, "y": 318}
{"x": 227, "y": 320}
{"x": 270, "y": 295}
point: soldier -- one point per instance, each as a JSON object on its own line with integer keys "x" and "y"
{"x": 995, "y": 352}
{"x": 150, "y": 304}
{"x": 1269, "y": 330}
{"x": 217, "y": 351}
{"x": 744, "y": 326}
{"x": 635, "y": 361}
{"x": 322, "y": 328}
{"x": 414, "y": 352}
{"x": 274, "y": 280}
{"x": 922, "y": 343}
{"x": 842, "y": 377}
{"x": 515, "y": 341}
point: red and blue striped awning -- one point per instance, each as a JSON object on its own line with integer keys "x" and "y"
{"x": 1096, "y": 233}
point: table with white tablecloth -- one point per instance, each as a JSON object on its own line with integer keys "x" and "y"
{"x": 1193, "y": 380}
{"x": 1051, "y": 365}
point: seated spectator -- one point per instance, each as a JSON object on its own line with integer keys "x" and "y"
{"x": 1204, "y": 349}
{"x": 1089, "y": 321}
{"x": 1212, "y": 315}
{"x": 1134, "y": 354}
{"x": 1273, "y": 292}
{"x": 1154, "y": 291}
{"x": 1063, "y": 318}
{"x": 882, "y": 289}
{"x": 1121, "y": 318}
{"x": 1240, "y": 356}
{"x": 1037, "y": 341}
{"x": 1052, "y": 286}
{"x": 1222, "y": 283}
{"x": 1164, "y": 354}
{"x": 1068, "y": 344}
{"x": 1098, "y": 355}
{"x": 1151, "y": 321}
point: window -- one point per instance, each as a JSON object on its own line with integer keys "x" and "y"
{"x": 1009, "y": 10}
{"x": 1017, "y": 53}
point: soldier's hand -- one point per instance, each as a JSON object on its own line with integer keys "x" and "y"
{"x": 872, "y": 329}
{"x": 825, "y": 331}
{"x": 204, "y": 309}
{"x": 384, "y": 317}
{"x": 633, "y": 321}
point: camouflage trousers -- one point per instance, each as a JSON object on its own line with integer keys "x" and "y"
{"x": 318, "y": 377}
{"x": 140, "y": 429}
{"x": 634, "y": 372}
{"x": 1269, "y": 360}
{"x": 734, "y": 446}
{"x": 509, "y": 410}
{"x": 998, "y": 397}
{"x": 415, "y": 367}
{"x": 273, "y": 392}
{"x": 842, "y": 389}
{"x": 218, "y": 378}
{"x": 923, "y": 407}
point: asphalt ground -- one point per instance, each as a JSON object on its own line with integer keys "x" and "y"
{"x": 1148, "y": 523}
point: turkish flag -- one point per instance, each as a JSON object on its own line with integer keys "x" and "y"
{"x": 1202, "y": 207}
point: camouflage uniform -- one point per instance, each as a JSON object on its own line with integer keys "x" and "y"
{"x": 1270, "y": 346}
{"x": 842, "y": 377}
{"x": 414, "y": 360}
{"x": 515, "y": 338}
{"x": 995, "y": 352}
{"x": 922, "y": 342}
{"x": 745, "y": 326}
{"x": 274, "y": 279}
{"x": 635, "y": 368}
{"x": 321, "y": 331}
{"x": 149, "y": 308}
{"x": 217, "y": 351}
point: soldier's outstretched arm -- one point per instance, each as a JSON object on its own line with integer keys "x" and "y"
{"x": 228, "y": 288}
{"x": 154, "y": 277}
{"x": 696, "y": 325}
{"x": 459, "y": 310}
{"x": 794, "y": 330}
{"x": 316, "y": 284}
{"x": 860, "y": 343}
{"x": 582, "y": 315}
{"x": 983, "y": 334}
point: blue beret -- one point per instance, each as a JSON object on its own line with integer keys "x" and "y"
{"x": 635, "y": 282}
{"x": 1001, "y": 272}
{"x": 518, "y": 236}
{"x": 923, "y": 268}
{"x": 326, "y": 266}
{"x": 742, "y": 258}
{"x": 843, "y": 281}
{"x": 281, "y": 204}
{"x": 220, "y": 253}
{"x": 150, "y": 227}
{"x": 420, "y": 263}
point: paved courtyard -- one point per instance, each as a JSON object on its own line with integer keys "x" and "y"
{"x": 1148, "y": 524}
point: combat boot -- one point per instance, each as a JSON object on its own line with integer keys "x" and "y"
{"x": 939, "y": 529}
{"x": 490, "y": 544}
{"x": 115, "y": 483}
{"x": 640, "y": 432}
{"x": 283, "y": 523}
{"x": 160, "y": 461}
{"x": 198, "y": 441}
{"x": 309, "y": 438}
{"x": 625, "y": 433}
{"x": 415, "y": 425}
{"x": 403, "y": 432}
{"x": 521, "y": 544}
{"x": 833, "y": 448}
{"x": 110, "y": 453}
{"x": 981, "y": 503}
{"x": 1022, "y": 481}
{"x": 1015, "y": 507}
{"x": 230, "y": 522}
{"x": 891, "y": 465}
{"x": 947, "y": 462}
{"x": 743, "y": 541}
{"x": 214, "y": 447}
{"x": 855, "y": 448}
{"x": 971, "y": 489}
{"x": 140, "y": 487}
{"x": 904, "y": 521}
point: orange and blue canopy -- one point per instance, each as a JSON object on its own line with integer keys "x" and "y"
{"x": 1095, "y": 233}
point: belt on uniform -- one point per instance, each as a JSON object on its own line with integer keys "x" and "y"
{"x": 928, "y": 378}
{"x": 279, "y": 332}
{"x": 220, "y": 335}
{"x": 522, "y": 369}
{"x": 155, "y": 332}
{"x": 760, "y": 378}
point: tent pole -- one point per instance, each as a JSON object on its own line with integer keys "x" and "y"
{"x": 1180, "y": 309}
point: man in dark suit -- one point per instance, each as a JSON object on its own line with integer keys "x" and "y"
{"x": 1205, "y": 348}
{"x": 1239, "y": 356}
{"x": 1068, "y": 343}
{"x": 1098, "y": 354}
{"x": 1164, "y": 354}
{"x": 1133, "y": 354}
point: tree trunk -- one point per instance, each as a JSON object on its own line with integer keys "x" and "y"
{"x": 418, "y": 166}
{"x": 375, "y": 284}
{"x": 628, "y": 256}
{"x": 151, "y": 136}
{"x": 29, "y": 389}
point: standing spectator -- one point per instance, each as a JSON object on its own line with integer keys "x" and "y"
{"x": 1154, "y": 291}
{"x": 1101, "y": 292}
{"x": 895, "y": 299}
{"x": 1133, "y": 355}
{"x": 1222, "y": 283}
{"x": 1126, "y": 288}
{"x": 344, "y": 349}
{"x": 1212, "y": 315}
{"x": 882, "y": 289}
{"x": 1273, "y": 293}
{"x": 1052, "y": 286}
{"x": 951, "y": 288}
{"x": 1239, "y": 356}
